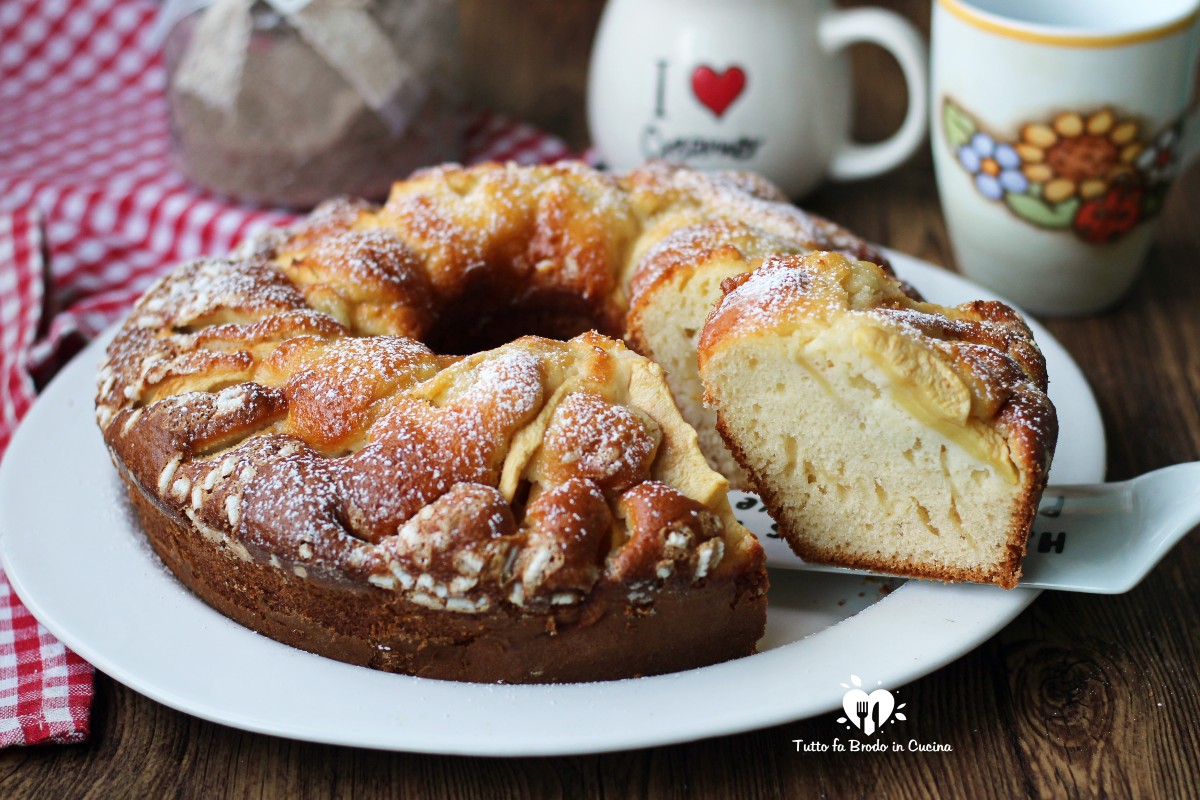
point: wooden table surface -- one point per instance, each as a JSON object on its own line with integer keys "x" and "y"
{"x": 1079, "y": 696}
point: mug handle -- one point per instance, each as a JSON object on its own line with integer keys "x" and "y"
{"x": 896, "y": 35}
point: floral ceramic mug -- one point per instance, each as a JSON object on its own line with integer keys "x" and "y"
{"x": 1057, "y": 130}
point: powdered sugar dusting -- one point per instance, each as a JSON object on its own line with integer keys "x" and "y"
{"x": 605, "y": 443}
{"x": 200, "y": 288}
{"x": 767, "y": 296}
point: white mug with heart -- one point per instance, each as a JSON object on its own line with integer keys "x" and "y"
{"x": 745, "y": 84}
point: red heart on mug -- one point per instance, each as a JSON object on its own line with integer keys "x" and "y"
{"x": 718, "y": 91}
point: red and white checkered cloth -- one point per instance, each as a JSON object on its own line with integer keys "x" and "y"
{"x": 91, "y": 211}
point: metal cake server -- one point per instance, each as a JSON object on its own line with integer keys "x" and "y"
{"x": 1101, "y": 538}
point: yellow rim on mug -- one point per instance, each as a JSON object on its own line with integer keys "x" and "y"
{"x": 1027, "y": 33}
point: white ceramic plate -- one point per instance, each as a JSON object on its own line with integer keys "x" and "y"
{"x": 78, "y": 560}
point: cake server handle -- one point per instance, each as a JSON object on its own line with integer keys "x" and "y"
{"x": 1104, "y": 538}
{"x": 1100, "y": 538}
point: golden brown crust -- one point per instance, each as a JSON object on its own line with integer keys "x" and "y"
{"x": 659, "y": 186}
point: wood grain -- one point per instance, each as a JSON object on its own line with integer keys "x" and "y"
{"x": 1081, "y": 696}
{"x": 529, "y": 58}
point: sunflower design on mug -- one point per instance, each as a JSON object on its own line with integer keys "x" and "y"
{"x": 1095, "y": 174}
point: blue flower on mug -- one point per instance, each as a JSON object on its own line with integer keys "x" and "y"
{"x": 1093, "y": 173}
{"x": 996, "y": 167}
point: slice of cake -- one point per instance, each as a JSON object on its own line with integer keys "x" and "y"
{"x": 675, "y": 288}
{"x": 883, "y": 433}
{"x": 701, "y": 229}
